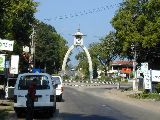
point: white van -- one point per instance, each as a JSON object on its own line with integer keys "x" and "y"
{"x": 57, "y": 80}
{"x": 45, "y": 93}
{"x": 9, "y": 89}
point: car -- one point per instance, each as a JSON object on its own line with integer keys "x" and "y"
{"x": 57, "y": 80}
{"x": 9, "y": 89}
{"x": 45, "y": 93}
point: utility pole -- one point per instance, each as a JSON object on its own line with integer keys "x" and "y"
{"x": 32, "y": 48}
{"x": 134, "y": 67}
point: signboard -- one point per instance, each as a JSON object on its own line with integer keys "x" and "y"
{"x": 14, "y": 64}
{"x": 25, "y": 49}
{"x": 144, "y": 67}
{"x": 147, "y": 80}
{"x": 2, "y": 62}
{"x": 156, "y": 75}
{"x": 6, "y": 45}
{"x": 138, "y": 72}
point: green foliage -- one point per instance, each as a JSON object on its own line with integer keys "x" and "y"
{"x": 3, "y": 114}
{"x": 154, "y": 96}
{"x": 95, "y": 74}
{"x": 83, "y": 64}
{"x": 103, "y": 51}
{"x": 16, "y": 23}
{"x": 66, "y": 77}
{"x": 158, "y": 88}
{"x": 137, "y": 22}
{"x": 77, "y": 77}
{"x": 118, "y": 79}
{"x": 50, "y": 48}
{"x": 16, "y": 18}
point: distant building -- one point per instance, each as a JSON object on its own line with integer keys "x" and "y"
{"x": 121, "y": 68}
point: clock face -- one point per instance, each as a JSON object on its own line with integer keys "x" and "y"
{"x": 78, "y": 41}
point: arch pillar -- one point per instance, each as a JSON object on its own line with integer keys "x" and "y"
{"x": 66, "y": 57}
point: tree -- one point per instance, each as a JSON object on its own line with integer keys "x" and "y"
{"x": 106, "y": 51}
{"x": 83, "y": 65}
{"x": 16, "y": 19}
{"x": 50, "y": 48}
{"x": 137, "y": 22}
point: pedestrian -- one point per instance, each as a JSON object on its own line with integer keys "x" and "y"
{"x": 30, "y": 100}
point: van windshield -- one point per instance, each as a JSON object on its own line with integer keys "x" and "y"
{"x": 41, "y": 82}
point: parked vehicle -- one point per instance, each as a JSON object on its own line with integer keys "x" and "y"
{"x": 45, "y": 93}
{"x": 59, "y": 87}
{"x": 9, "y": 89}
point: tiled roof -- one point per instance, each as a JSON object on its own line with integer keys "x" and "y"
{"x": 122, "y": 63}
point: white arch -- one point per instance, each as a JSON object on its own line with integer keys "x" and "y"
{"x": 88, "y": 57}
{"x": 66, "y": 57}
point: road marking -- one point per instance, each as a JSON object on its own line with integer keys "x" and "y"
{"x": 107, "y": 107}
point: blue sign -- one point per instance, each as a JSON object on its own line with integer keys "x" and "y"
{"x": 36, "y": 70}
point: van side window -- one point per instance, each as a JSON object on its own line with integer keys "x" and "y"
{"x": 11, "y": 82}
{"x": 22, "y": 85}
{"x": 45, "y": 84}
{"x": 57, "y": 80}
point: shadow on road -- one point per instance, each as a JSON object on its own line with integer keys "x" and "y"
{"x": 70, "y": 116}
{"x": 67, "y": 116}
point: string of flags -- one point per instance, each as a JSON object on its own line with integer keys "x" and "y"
{"x": 85, "y": 12}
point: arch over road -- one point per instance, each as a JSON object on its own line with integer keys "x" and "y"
{"x": 78, "y": 41}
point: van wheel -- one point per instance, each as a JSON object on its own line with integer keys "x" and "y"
{"x": 54, "y": 109}
{"x": 19, "y": 114}
{"x": 60, "y": 98}
{"x": 51, "y": 113}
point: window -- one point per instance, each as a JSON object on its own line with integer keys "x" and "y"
{"x": 41, "y": 82}
{"x": 11, "y": 82}
{"x": 57, "y": 80}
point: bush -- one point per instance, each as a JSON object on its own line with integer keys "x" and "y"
{"x": 154, "y": 96}
{"x": 66, "y": 77}
{"x": 158, "y": 88}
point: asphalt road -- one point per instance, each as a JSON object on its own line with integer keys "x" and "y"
{"x": 79, "y": 104}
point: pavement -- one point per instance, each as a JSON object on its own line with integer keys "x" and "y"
{"x": 6, "y": 106}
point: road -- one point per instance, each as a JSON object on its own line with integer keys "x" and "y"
{"x": 79, "y": 104}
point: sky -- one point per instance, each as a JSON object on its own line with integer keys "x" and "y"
{"x": 66, "y": 16}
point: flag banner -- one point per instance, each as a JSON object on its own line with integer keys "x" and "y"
{"x": 6, "y": 45}
{"x": 144, "y": 67}
{"x": 2, "y": 62}
{"x": 14, "y": 64}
